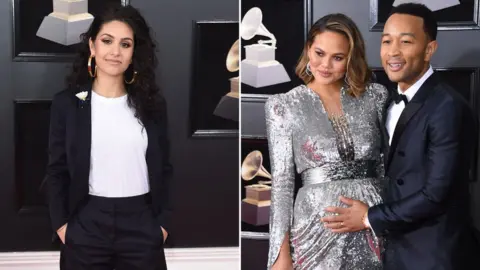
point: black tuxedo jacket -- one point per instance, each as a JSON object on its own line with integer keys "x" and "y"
{"x": 67, "y": 174}
{"x": 425, "y": 216}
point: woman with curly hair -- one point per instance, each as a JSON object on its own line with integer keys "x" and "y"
{"x": 108, "y": 170}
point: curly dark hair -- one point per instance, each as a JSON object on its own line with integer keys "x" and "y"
{"x": 144, "y": 94}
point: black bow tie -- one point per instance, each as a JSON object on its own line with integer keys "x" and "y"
{"x": 399, "y": 97}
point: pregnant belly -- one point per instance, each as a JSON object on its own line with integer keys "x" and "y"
{"x": 312, "y": 199}
{"x": 310, "y": 239}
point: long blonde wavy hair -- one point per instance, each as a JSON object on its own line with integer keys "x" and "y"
{"x": 358, "y": 73}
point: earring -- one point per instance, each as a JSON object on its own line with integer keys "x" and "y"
{"x": 93, "y": 75}
{"x": 133, "y": 78}
{"x": 374, "y": 77}
{"x": 308, "y": 71}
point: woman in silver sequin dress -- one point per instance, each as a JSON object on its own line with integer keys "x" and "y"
{"x": 329, "y": 130}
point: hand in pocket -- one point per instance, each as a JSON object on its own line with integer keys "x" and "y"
{"x": 165, "y": 234}
{"x": 61, "y": 233}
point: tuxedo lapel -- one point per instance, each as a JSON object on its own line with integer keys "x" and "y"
{"x": 410, "y": 110}
{"x": 83, "y": 135}
{"x": 407, "y": 114}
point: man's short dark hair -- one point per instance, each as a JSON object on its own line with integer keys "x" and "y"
{"x": 419, "y": 10}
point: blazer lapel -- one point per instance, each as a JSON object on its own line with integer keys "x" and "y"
{"x": 150, "y": 158}
{"x": 410, "y": 110}
{"x": 84, "y": 134}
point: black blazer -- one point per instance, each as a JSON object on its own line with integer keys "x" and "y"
{"x": 67, "y": 173}
{"x": 425, "y": 215}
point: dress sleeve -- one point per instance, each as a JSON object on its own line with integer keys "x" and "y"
{"x": 280, "y": 148}
{"x": 380, "y": 99}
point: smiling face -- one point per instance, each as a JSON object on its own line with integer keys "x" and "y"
{"x": 113, "y": 49}
{"x": 406, "y": 49}
{"x": 328, "y": 57}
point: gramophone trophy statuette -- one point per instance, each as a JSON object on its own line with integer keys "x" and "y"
{"x": 259, "y": 68}
{"x": 256, "y": 205}
{"x": 67, "y": 22}
{"x": 227, "y": 107}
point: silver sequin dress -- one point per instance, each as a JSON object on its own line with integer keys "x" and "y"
{"x": 334, "y": 157}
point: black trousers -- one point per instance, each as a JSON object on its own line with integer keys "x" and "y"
{"x": 113, "y": 233}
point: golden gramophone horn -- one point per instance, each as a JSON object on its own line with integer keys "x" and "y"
{"x": 233, "y": 57}
{"x": 252, "y": 167}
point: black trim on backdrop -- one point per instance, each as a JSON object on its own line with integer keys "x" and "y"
{"x": 215, "y": 133}
{"x": 377, "y": 19}
{"x": 203, "y": 123}
{"x": 20, "y": 55}
{"x": 308, "y": 19}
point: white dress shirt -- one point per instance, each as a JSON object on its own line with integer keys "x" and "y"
{"x": 118, "y": 167}
{"x": 395, "y": 110}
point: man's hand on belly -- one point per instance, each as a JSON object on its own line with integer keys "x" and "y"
{"x": 346, "y": 219}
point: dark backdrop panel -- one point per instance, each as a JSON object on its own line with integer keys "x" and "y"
{"x": 249, "y": 145}
{"x": 285, "y": 20}
{"x": 32, "y": 119}
{"x": 213, "y": 40}
{"x": 205, "y": 191}
{"x": 254, "y": 254}
{"x": 29, "y": 14}
{"x": 288, "y": 20}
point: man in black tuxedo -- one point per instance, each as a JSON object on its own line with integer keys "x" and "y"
{"x": 431, "y": 132}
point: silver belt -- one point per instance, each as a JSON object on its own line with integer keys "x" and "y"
{"x": 334, "y": 171}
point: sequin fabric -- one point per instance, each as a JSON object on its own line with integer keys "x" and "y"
{"x": 335, "y": 156}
